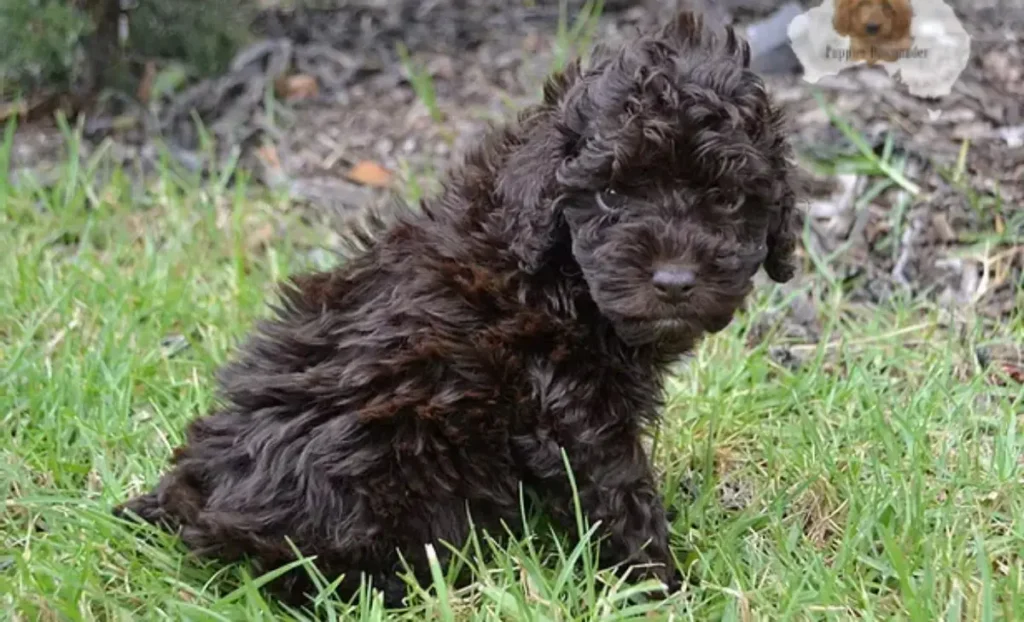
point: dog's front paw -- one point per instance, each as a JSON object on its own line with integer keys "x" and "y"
{"x": 667, "y": 575}
{"x": 674, "y": 583}
{"x": 146, "y": 509}
{"x": 670, "y": 579}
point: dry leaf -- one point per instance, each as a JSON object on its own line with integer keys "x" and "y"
{"x": 1015, "y": 373}
{"x": 298, "y": 86}
{"x": 260, "y": 238}
{"x": 34, "y": 107}
{"x": 273, "y": 174}
{"x": 13, "y": 109}
{"x": 145, "y": 90}
{"x": 268, "y": 155}
{"x": 370, "y": 173}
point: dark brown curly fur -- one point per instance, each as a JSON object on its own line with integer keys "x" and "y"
{"x": 533, "y": 307}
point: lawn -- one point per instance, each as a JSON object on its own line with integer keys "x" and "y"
{"x": 880, "y": 479}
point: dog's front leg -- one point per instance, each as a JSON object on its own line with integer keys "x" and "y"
{"x": 615, "y": 486}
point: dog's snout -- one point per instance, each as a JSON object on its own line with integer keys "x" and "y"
{"x": 872, "y": 28}
{"x": 673, "y": 281}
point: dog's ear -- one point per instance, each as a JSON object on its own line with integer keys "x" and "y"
{"x": 841, "y": 17}
{"x": 693, "y": 30}
{"x": 903, "y": 15}
{"x": 783, "y": 232}
{"x": 527, "y": 183}
{"x": 685, "y": 28}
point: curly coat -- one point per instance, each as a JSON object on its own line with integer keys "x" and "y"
{"x": 533, "y": 307}
{"x": 879, "y": 30}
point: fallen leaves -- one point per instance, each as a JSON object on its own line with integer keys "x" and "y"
{"x": 267, "y": 154}
{"x": 296, "y": 87}
{"x": 144, "y": 92}
{"x": 1003, "y": 362}
{"x": 37, "y": 106}
{"x": 260, "y": 238}
{"x": 272, "y": 173}
{"x": 369, "y": 173}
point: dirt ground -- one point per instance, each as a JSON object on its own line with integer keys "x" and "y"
{"x": 346, "y": 97}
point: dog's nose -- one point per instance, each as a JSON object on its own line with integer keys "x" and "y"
{"x": 872, "y": 28}
{"x": 674, "y": 281}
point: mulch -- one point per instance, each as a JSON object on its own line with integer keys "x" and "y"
{"x": 346, "y": 127}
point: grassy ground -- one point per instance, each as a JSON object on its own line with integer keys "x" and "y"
{"x": 881, "y": 480}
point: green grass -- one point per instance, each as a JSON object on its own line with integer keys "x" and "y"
{"x": 422, "y": 83}
{"x": 881, "y": 480}
{"x": 576, "y": 39}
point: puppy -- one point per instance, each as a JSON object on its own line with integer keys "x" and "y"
{"x": 532, "y": 309}
{"x": 879, "y": 30}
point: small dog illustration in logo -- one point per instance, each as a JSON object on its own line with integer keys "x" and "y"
{"x": 879, "y": 30}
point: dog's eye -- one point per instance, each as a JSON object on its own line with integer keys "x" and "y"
{"x": 609, "y": 200}
{"x": 760, "y": 253}
{"x": 736, "y": 205}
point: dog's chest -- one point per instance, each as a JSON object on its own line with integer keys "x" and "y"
{"x": 598, "y": 390}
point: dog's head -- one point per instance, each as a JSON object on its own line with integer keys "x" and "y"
{"x": 669, "y": 182}
{"x": 879, "y": 20}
